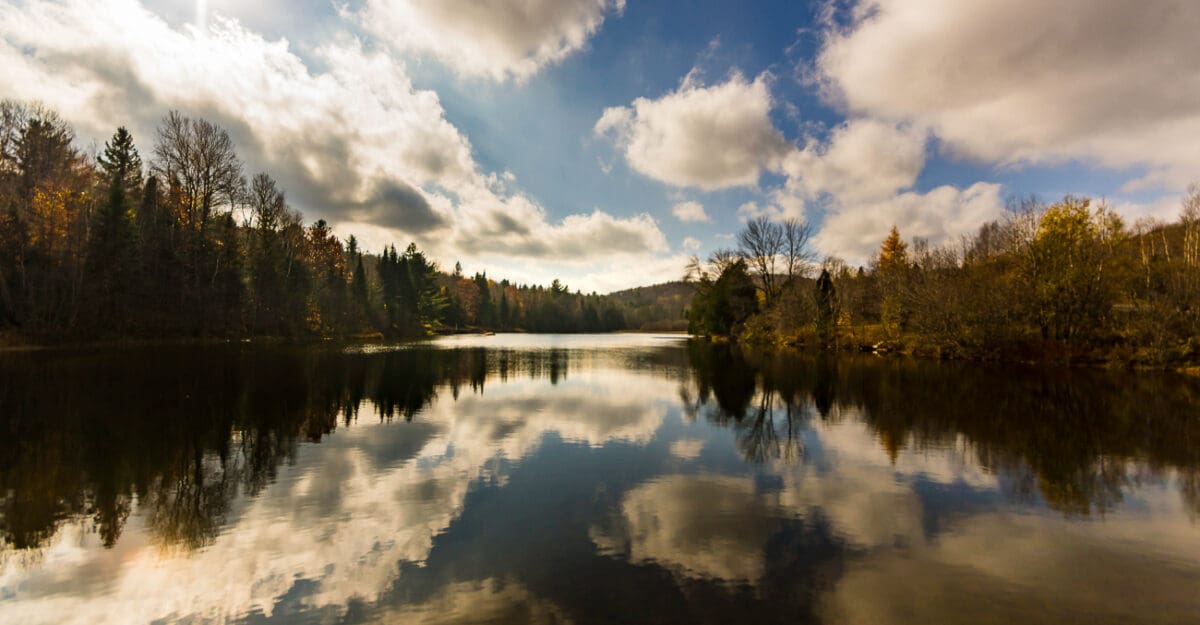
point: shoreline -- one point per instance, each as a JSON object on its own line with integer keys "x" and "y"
{"x": 10, "y": 346}
{"x": 900, "y": 352}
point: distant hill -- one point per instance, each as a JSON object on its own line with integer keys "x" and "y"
{"x": 660, "y": 307}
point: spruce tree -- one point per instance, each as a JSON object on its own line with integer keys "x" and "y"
{"x": 120, "y": 160}
{"x": 112, "y": 249}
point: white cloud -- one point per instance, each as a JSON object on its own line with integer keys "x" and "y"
{"x": 497, "y": 39}
{"x": 706, "y": 137}
{"x": 864, "y": 159}
{"x": 1021, "y": 81}
{"x": 855, "y": 230}
{"x": 355, "y": 143}
{"x": 691, "y": 244}
{"x": 754, "y": 210}
{"x": 690, "y": 211}
{"x": 861, "y": 177}
{"x": 602, "y": 275}
{"x": 858, "y": 176}
{"x": 1164, "y": 209}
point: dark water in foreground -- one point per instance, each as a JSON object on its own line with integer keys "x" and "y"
{"x": 616, "y": 479}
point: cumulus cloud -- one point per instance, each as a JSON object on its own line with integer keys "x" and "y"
{"x": 859, "y": 176}
{"x": 863, "y": 159}
{"x": 691, "y": 244}
{"x": 754, "y": 210}
{"x": 355, "y": 142}
{"x": 862, "y": 176}
{"x": 690, "y": 211}
{"x": 708, "y": 137}
{"x": 497, "y": 39}
{"x": 1019, "y": 82}
{"x": 855, "y": 230}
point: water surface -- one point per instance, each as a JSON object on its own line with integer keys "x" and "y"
{"x": 589, "y": 479}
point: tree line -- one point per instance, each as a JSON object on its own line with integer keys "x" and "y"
{"x": 183, "y": 245}
{"x": 1067, "y": 281}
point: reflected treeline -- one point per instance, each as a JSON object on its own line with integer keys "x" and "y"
{"x": 182, "y": 433}
{"x": 1078, "y": 438}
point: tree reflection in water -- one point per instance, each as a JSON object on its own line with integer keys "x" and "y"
{"x": 1075, "y": 438}
{"x": 182, "y": 433}
{"x": 539, "y": 483}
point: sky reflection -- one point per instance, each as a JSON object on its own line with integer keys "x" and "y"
{"x": 587, "y": 481}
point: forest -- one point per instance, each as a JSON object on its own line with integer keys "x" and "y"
{"x": 183, "y": 244}
{"x": 1063, "y": 282}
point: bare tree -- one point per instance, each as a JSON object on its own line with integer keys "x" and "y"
{"x": 722, "y": 258}
{"x": 198, "y": 157}
{"x": 718, "y": 261}
{"x": 268, "y": 207}
{"x": 1190, "y": 218}
{"x": 762, "y": 242}
{"x": 797, "y": 253}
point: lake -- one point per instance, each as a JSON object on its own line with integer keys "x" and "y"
{"x": 589, "y": 479}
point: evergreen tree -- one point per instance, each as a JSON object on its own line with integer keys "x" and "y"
{"x": 505, "y": 312}
{"x": 591, "y": 318}
{"x": 120, "y": 160}
{"x": 486, "y": 316}
{"x": 227, "y": 288}
{"x": 720, "y": 307}
{"x": 361, "y": 294}
{"x": 157, "y": 276}
{"x": 827, "y": 313}
{"x": 112, "y": 246}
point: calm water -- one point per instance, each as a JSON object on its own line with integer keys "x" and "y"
{"x": 616, "y": 479}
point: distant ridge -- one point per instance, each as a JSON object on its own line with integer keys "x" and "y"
{"x": 658, "y": 307}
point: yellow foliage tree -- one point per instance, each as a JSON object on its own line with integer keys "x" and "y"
{"x": 1070, "y": 267}
{"x": 892, "y": 270}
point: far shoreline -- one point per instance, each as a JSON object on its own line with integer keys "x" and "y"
{"x": 11, "y": 347}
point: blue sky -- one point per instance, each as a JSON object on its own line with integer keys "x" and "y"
{"x": 604, "y": 141}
